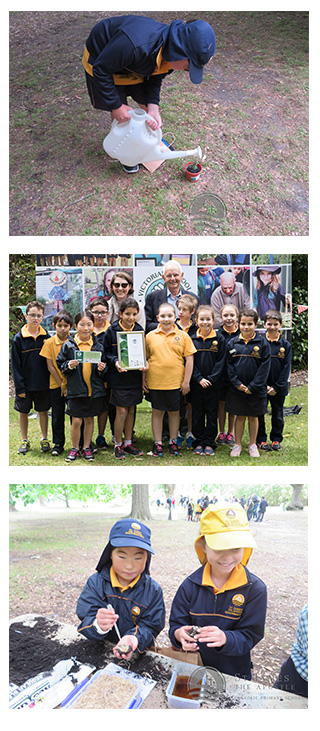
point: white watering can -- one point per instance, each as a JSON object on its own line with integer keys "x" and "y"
{"x": 135, "y": 142}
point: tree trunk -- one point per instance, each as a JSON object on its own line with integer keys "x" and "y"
{"x": 295, "y": 502}
{"x": 140, "y": 502}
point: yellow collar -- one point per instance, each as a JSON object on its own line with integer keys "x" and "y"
{"x": 237, "y": 578}
{"x": 212, "y": 334}
{"x": 26, "y": 334}
{"x": 241, "y": 337}
{"x": 82, "y": 342}
{"x": 116, "y": 583}
{"x": 273, "y": 340}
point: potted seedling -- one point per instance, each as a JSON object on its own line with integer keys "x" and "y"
{"x": 193, "y": 171}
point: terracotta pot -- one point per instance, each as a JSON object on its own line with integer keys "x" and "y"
{"x": 193, "y": 176}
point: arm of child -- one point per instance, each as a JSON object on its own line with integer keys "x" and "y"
{"x": 53, "y": 371}
{"x": 94, "y": 622}
{"x": 185, "y": 385}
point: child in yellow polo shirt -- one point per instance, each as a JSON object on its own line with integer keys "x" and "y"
{"x": 169, "y": 352}
{"x": 224, "y": 601}
{"x": 62, "y": 323}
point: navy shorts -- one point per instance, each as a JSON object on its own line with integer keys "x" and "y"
{"x": 136, "y": 91}
{"x": 40, "y": 400}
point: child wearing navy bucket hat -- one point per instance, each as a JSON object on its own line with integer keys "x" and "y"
{"x": 222, "y": 601}
{"x": 121, "y": 599}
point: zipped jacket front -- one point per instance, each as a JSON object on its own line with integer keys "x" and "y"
{"x": 239, "y": 612}
{"x": 76, "y": 385}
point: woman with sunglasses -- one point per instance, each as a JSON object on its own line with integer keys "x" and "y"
{"x": 121, "y": 287}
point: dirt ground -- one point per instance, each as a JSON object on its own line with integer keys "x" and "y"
{"x": 53, "y": 554}
{"x": 250, "y": 115}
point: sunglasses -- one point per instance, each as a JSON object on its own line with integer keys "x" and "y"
{"x": 117, "y": 285}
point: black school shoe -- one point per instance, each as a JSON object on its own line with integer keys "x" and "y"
{"x": 131, "y": 168}
{"x": 56, "y": 450}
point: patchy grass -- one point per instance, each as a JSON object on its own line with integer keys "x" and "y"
{"x": 250, "y": 116}
{"x": 294, "y": 447}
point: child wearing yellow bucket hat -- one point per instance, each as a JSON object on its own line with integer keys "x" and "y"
{"x": 223, "y": 599}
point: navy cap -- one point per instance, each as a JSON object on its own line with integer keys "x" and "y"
{"x": 199, "y": 41}
{"x": 273, "y": 269}
{"x": 128, "y": 532}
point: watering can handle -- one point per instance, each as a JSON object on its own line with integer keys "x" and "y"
{"x": 156, "y": 132}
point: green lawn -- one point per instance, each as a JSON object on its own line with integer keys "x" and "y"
{"x": 294, "y": 447}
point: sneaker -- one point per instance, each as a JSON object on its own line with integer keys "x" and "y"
{"x": 101, "y": 442}
{"x": 73, "y": 455}
{"x": 44, "y": 445}
{"x": 131, "y": 169}
{"x": 157, "y": 450}
{"x": 221, "y": 438}
{"x": 264, "y": 446}
{"x": 24, "y": 447}
{"x": 179, "y": 441}
{"x": 87, "y": 454}
{"x": 56, "y": 450}
{"x": 209, "y": 451}
{"x": 173, "y": 449}
{"x": 198, "y": 449}
{"x": 134, "y": 451}
{"x": 276, "y": 446}
{"x": 253, "y": 451}
{"x": 230, "y": 440}
{"x": 119, "y": 453}
{"x": 190, "y": 441}
{"x": 236, "y": 451}
{"x": 93, "y": 447}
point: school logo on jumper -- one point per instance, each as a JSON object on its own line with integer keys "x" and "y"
{"x": 135, "y": 611}
{"x": 238, "y": 600}
{"x": 282, "y": 352}
{"x": 256, "y": 347}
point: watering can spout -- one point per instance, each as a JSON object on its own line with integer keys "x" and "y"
{"x": 135, "y": 142}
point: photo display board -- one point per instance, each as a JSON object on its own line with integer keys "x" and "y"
{"x": 259, "y": 281}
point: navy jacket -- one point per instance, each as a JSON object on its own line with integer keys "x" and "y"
{"x": 76, "y": 385}
{"x": 227, "y": 336}
{"x": 123, "y": 44}
{"x": 153, "y": 302}
{"x": 239, "y": 612}
{"x": 249, "y": 363}
{"x": 30, "y": 372}
{"x": 281, "y": 352}
{"x": 116, "y": 380}
{"x": 145, "y": 622}
{"x": 209, "y": 359}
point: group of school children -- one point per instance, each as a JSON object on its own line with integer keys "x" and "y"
{"x": 191, "y": 369}
{"x": 218, "y": 611}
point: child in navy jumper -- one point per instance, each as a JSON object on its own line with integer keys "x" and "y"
{"x": 229, "y": 329}
{"x": 123, "y": 592}
{"x": 248, "y": 363}
{"x": 126, "y": 385}
{"x": 30, "y": 375}
{"x": 85, "y": 384}
{"x": 277, "y": 386}
{"x": 225, "y": 601}
{"x": 206, "y": 381}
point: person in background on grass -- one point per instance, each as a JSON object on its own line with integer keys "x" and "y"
{"x": 277, "y": 384}
{"x": 62, "y": 323}
{"x": 31, "y": 375}
{"x": 206, "y": 381}
{"x": 169, "y": 352}
{"x": 123, "y": 592}
{"x": 186, "y": 306}
{"x": 229, "y": 329}
{"x": 261, "y": 509}
{"x": 293, "y": 676}
{"x": 85, "y": 384}
{"x": 126, "y": 385}
{"x": 131, "y": 55}
{"x": 99, "y": 308}
{"x": 223, "y": 598}
{"x": 248, "y": 363}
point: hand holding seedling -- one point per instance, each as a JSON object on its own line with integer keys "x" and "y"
{"x": 188, "y": 643}
{"x": 129, "y": 641}
{"x": 106, "y": 618}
